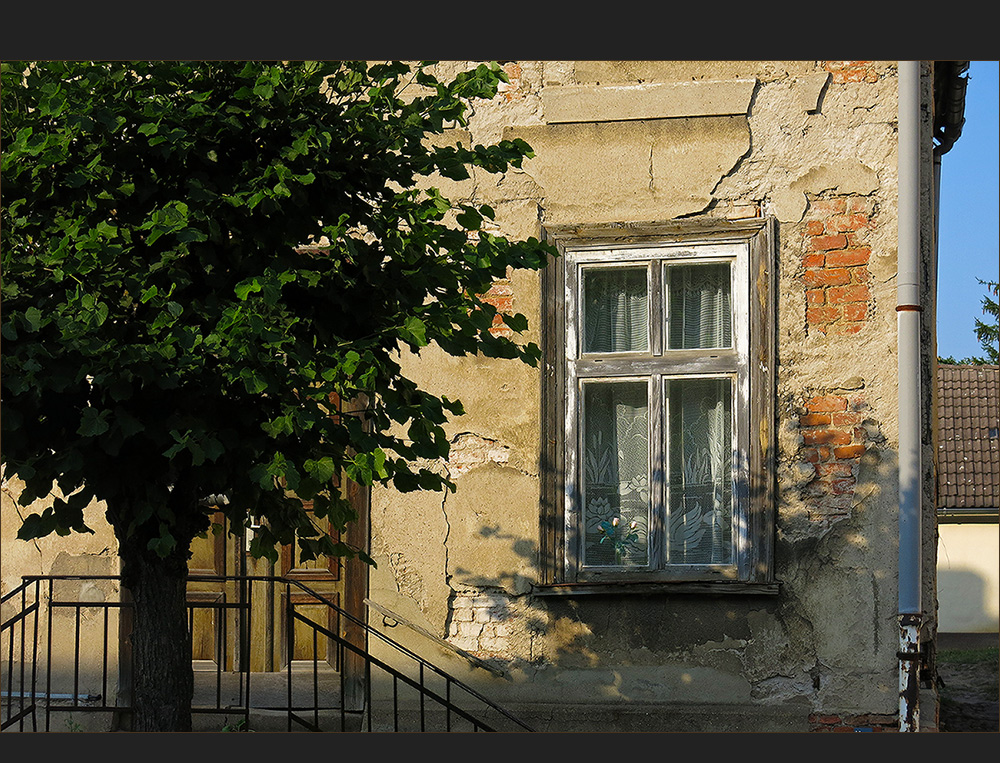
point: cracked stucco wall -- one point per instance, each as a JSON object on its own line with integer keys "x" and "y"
{"x": 811, "y": 143}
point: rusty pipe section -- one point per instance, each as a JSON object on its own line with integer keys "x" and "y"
{"x": 909, "y": 672}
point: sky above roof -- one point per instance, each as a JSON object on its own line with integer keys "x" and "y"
{"x": 970, "y": 208}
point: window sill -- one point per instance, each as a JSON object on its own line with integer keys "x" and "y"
{"x": 713, "y": 587}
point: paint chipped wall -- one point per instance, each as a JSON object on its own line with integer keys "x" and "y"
{"x": 811, "y": 143}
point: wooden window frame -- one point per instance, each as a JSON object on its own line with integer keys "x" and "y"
{"x": 751, "y": 362}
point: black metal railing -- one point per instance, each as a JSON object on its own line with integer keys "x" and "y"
{"x": 325, "y": 672}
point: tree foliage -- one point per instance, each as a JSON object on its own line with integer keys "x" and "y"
{"x": 198, "y": 257}
{"x": 988, "y": 334}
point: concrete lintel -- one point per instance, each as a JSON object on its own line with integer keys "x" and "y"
{"x": 613, "y": 103}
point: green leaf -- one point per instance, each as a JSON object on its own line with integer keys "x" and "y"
{"x": 163, "y": 545}
{"x": 322, "y": 470}
{"x": 33, "y": 319}
{"x": 93, "y": 422}
{"x": 414, "y": 330}
{"x": 246, "y": 288}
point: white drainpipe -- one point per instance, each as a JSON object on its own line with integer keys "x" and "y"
{"x": 908, "y": 309}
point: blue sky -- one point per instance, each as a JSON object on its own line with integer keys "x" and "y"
{"x": 969, "y": 231}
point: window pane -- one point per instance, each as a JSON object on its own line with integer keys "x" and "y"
{"x": 615, "y": 473}
{"x": 615, "y": 310}
{"x": 700, "y": 465}
{"x": 699, "y": 313}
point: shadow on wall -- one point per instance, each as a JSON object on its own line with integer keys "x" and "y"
{"x": 963, "y": 603}
{"x": 707, "y": 647}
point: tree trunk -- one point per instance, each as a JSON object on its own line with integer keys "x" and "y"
{"x": 163, "y": 681}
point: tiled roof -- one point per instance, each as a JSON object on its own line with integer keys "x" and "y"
{"x": 968, "y": 437}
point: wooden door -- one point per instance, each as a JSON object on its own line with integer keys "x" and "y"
{"x": 213, "y": 604}
{"x": 236, "y": 624}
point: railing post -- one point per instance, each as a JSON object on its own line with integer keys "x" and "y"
{"x": 34, "y": 657}
{"x": 289, "y": 645}
{"x": 48, "y": 661}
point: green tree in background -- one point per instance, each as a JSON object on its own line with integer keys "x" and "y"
{"x": 988, "y": 334}
{"x": 196, "y": 257}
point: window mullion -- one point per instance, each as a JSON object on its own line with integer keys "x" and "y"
{"x": 656, "y": 308}
{"x": 657, "y": 475}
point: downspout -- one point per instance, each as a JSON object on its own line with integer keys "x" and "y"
{"x": 908, "y": 309}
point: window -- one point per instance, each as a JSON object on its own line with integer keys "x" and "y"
{"x": 659, "y": 407}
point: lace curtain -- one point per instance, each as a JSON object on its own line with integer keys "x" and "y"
{"x": 616, "y": 473}
{"x": 699, "y": 487}
{"x": 615, "y": 309}
{"x": 699, "y": 313}
{"x": 616, "y": 448}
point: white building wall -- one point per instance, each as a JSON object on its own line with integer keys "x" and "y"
{"x": 968, "y": 574}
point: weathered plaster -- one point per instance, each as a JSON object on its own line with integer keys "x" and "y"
{"x": 805, "y": 134}
{"x": 615, "y": 103}
{"x": 664, "y": 168}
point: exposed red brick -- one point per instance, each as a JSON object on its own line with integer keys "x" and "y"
{"x": 845, "y": 418}
{"x": 851, "y": 71}
{"x": 834, "y": 469}
{"x": 861, "y": 274}
{"x": 815, "y": 296}
{"x": 831, "y": 277}
{"x": 860, "y": 205}
{"x": 824, "y": 403}
{"x": 814, "y": 419}
{"x": 813, "y": 260}
{"x": 502, "y": 303}
{"x": 855, "y": 311}
{"x": 829, "y": 206}
{"x": 826, "y": 243}
{"x": 810, "y": 454}
{"x": 852, "y": 293}
{"x": 822, "y": 314}
{"x": 825, "y": 437}
{"x": 825, "y": 719}
{"x": 856, "y": 240}
{"x": 843, "y": 486}
{"x": 814, "y": 227}
{"x": 500, "y": 289}
{"x": 846, "y": 258}
{"x": 844, "y": 223}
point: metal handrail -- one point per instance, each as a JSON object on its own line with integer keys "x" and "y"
{"x": 99, "y": 702}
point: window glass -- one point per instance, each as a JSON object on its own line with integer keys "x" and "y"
{"x": 615, "y": 310}
{"x": 616, "y": 473}
{"x": 699, "y": 471}
{"x": 699, "y": 314}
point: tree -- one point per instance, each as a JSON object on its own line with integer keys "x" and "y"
{"x": 196, "y": 257}
{"x": 988, "y": 334}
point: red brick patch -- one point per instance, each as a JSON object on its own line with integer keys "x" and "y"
{"x": 851, "y": 71}
{"x": 835, "y": 260}
{"x": 832, "y": 442}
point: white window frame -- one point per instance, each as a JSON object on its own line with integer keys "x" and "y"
{"x": 748, "y": 247}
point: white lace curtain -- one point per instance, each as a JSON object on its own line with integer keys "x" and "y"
{"x": 616, "y": 310}
{"x": 616, "y": 473}
{"x": 699, "y": 487}
{"x": 616, "y": 480}
{"x": 699, "y": 313}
